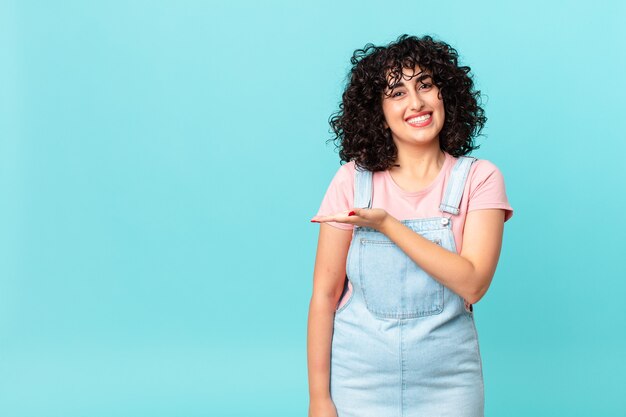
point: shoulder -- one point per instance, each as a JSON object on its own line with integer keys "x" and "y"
{"x": 340, "y": 194}
{"x": 482, "y": 166}
{"x": 345, "y": 174}
{"x": 479, "y": 171}
{"x": 483, "y": 170}
{"x": 341, "y": 187}
{"x": 348, "y": 168}
{"x": 486, "y": 188}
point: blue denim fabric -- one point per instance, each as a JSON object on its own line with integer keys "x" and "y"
{"x": 404, "y": 345}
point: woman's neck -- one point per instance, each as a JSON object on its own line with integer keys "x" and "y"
{"x": 419, "y": 164}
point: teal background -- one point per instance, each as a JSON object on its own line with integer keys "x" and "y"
{"x": 160, "y": 162}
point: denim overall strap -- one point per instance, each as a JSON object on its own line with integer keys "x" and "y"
{"x": 456, "y": 184}
{"x": 362, "y": 188}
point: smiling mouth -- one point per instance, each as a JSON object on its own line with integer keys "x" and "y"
{"x": 420, "y": 121}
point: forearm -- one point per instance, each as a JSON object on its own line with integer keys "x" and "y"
{"x": 319, "y": 337}
{"x": 449, "y": 268}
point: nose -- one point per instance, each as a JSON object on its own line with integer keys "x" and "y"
{"x": 416, "y": 102}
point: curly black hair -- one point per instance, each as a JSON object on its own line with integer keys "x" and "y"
{"x": 358, "y": 125}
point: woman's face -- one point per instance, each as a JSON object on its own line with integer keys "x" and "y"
{"x": 413, "y": 110}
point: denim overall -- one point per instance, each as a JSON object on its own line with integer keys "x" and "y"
{"x": 404, "y": 345}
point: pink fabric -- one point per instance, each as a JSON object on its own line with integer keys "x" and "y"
{"x": 484, "y": 189}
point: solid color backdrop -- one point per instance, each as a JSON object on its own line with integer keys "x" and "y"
{"x": 160, "y": 162}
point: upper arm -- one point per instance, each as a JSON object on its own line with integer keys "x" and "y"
{"x": 330, "y": 261}
{"x": 482, "y": 242}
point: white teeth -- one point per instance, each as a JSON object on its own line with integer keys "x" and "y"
{"x": 419, "y": 119}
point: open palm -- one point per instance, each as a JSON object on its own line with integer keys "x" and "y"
{"x": 363, "y": 217}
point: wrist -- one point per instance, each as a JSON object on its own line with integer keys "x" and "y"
{"x": 387, "y": 223}
{"x": 319, "y": 398}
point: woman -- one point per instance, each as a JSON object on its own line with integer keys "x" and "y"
{"x": 410, "y": 236}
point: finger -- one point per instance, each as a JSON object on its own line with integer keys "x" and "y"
{"x": 323, "y": 219}
{"x": 354, "y": 212}
{"x": 329, "y": 216}
{"x": 339, "y": 217}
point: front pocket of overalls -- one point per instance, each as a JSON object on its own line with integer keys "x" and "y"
{"x": 346, "y": 297}
{"x": 393, "y": 285}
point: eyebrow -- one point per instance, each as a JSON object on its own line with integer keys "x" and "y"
{"x": 391, "y": 88}
{"x": 420, "y": 79}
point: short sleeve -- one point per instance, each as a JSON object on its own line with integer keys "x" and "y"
{"x": 487, "y": 189}
{"x": 339, "y": 195}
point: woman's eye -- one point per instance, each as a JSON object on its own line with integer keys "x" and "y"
{"x": 397, "y": 93}
{"x": 425, "y": 86}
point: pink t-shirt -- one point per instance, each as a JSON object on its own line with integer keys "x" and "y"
{"x": 484, "y": 189}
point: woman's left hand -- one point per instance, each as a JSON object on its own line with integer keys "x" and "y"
{"x": 374, "y": 218}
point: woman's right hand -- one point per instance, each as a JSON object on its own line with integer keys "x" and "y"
{"x": 322, "y": 408}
